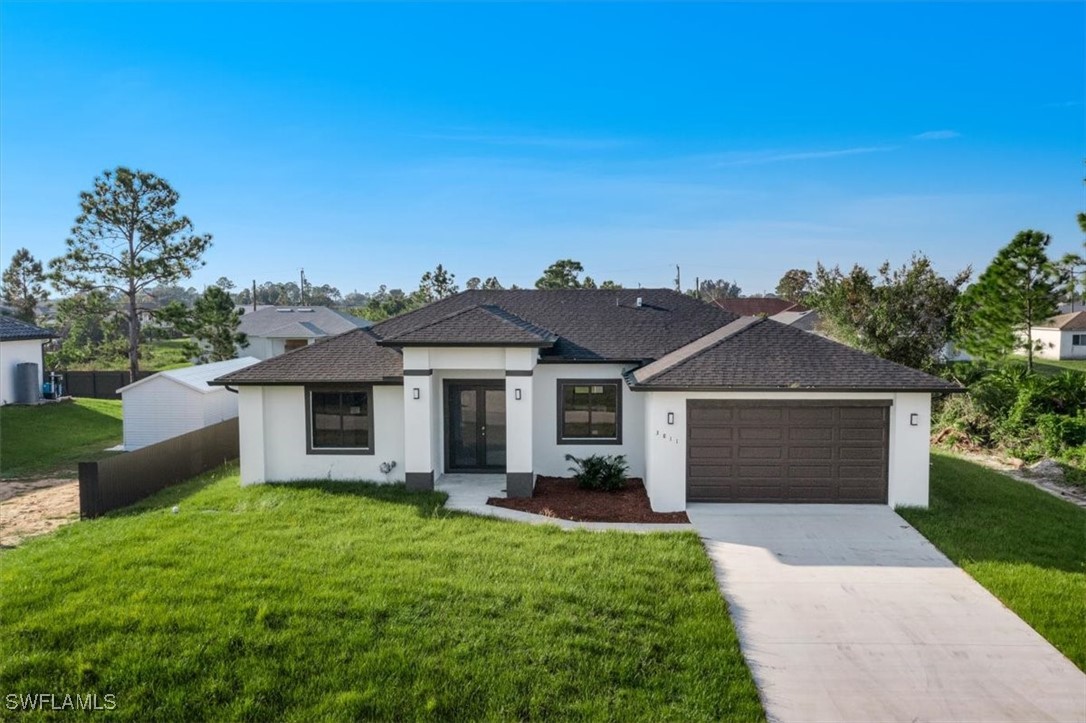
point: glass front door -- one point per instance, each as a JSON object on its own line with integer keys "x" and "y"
{"x": 475, "y": 431}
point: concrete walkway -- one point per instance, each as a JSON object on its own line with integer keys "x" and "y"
{"x": 469, "y": 493}
{"x": 846, "y": 613}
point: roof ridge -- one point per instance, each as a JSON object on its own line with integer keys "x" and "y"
{"x": 694, "y": 348}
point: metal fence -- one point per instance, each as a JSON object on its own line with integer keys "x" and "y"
{"x": 127, "y": 478}
{"x": 97, "y": 385}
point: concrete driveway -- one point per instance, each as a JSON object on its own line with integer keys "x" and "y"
{"x": 846, "y": 613}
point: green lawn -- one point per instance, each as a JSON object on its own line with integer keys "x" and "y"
{"x": 155, "y": 356}
{"x": 1053, "y": 366}
{"x": 1025, "y": 546}
{"x": 52, "y": 438}
{"x": 340, "y": 601}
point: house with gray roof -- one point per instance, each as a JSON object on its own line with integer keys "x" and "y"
{"x": 275, "y": 330}
{"x": 1061, "y": 337}
{"x": 21, "y": 345}
{"x": 706, "y": 405}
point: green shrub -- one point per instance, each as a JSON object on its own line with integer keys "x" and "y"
{"x": 599, "y": 471}
{"x": 1060, "y": 433}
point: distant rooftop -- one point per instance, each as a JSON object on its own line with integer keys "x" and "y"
{"x": 298, "y": 322}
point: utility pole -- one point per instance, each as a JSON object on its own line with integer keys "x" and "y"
{"x": 254, "y": 294}
{"x": 678, "y": 279}
{"x": 301, "y": 289}
{"x": 697, "y": 288}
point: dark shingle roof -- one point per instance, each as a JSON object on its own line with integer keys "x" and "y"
{"x": 476, "y": 325}
{"x": 591, "y": 325}
{"x": 303, "y": 322}
{"x": 763, "y": 354}
{"x": 755, "y": 305}
{"x": 350, "y": 357}
{"x": 12, "y": 329}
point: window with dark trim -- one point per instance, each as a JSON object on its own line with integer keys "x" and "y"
{"x": 339, "y": 421}
{"x": 1078, "y": 340}
{"x": 589, "y": 411}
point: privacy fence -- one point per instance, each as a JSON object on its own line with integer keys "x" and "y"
{"x": 97, "y": 385}
{"x": 129, "y": 477}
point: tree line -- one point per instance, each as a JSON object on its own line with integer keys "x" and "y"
{"x": 129, "y": 247}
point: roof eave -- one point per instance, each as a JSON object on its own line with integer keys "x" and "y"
{"x": 472, "y": 344}
{"x": 721, "y": 388}
{"x": 383, "y": 381}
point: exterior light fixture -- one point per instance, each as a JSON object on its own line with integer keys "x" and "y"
{"x": 516, "y": 394}
{"x": 914, "y": 419}
{"x": 671, "y": 417}
{"x": 415, "y": 393}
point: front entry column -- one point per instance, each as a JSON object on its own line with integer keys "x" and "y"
{"x": 420, "y": 419}
{"x": 519, "y": 475}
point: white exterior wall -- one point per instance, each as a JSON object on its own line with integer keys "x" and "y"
{"x": 550, "y": 457}
{"x": 1051, "y": 343}
{"x": 161, "y": 408}
{"x": 665, "y": 445}
{"x": 273, "y": 442}
{"x": 1067, "y": 350}
{"x": 13, "y": 353}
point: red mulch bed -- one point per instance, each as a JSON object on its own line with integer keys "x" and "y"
{"x": 561, "y": 497}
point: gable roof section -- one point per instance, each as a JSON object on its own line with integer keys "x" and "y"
{"x": 302, "y": 322}
{"x": 484, "y": 325}
{"x": 589, "y": 324}
{"x": 348, "y": 358}
{"x": 12, "y": 329}
{"x": 756, "y": 305}
{"x": 766, "y": 355}
{"x": 199, "y": 376}
{"x": 1075, "y": 321}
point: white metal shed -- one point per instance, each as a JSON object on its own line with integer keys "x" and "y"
{"x": 178, "y": 401}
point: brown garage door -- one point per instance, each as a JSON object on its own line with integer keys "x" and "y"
{"x": 743, "y": 451}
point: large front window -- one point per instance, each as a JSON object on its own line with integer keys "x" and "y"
{"x": 589, "y": 411}
{"x": 340, "y": 420}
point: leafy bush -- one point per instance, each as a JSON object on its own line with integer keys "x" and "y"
{"x": 1030, "y": 415}
{"x": 599, "y": 471}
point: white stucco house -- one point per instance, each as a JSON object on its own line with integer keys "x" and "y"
{"x": 705, "y": 405}
{"x": 174, "y": 402}
{"x": 20, "y": 343}
{"x": 275, "y": 330}
{"x": 1062, "y": 337}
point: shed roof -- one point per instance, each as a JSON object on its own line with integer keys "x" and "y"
{"x": 197, "y": 377}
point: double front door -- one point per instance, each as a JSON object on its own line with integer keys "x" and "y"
{"x": 475, "y": 426}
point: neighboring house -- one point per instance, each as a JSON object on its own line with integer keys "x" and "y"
{"x": 174, "y": 402}
{"x": 786, "y": 312}
{"x": 21, "y": 343}
{"x": 1062, "y": 337}
{"x": 275, "y": 330}
{"x": 704, "y": 404}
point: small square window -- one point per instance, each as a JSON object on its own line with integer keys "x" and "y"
{"x": 589, "y": 413}
{"x": 339, "y": 421}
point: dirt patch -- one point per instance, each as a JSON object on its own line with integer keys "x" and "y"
{"x": 35, "y": 507}
{"x": 561, "y": 497}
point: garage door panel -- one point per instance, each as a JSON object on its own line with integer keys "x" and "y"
{"x": 757, "y": 434}
{"x": 791, "y": 452}
{"x": 711, "y": 434}
{"x": 810, "y": 434}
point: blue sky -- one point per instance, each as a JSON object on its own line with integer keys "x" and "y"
{"x": 369, "y": 142}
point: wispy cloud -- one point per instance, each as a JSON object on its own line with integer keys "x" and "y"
{"x": 763, "y": 157}
{"x": 944, "y": 135}
{"x": 565, "y": 143}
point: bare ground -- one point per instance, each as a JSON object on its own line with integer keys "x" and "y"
{"x": 30, "y": 507}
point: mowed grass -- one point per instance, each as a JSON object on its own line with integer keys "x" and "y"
{"x": 329, "y": 601}
{"x": 155, "y": 356}
{"x": 1025, "y": 546}
{"x": 52, "y": 438}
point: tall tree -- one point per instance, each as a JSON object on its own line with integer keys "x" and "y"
{"x": 24, "y": 286}
{"x": 492, "y": 284}
{"x": 91, "y": 331}
{"x": 795, "y": 285}
{"x": 562, "y": 274}
{"x": 437, "y": 284}
{"x": 473, "y": 283}
{"x": 710, "y": 290}
{"x": 212, "y": 322}
{"x": 1072, "y": 271}
{"x": 905, "y": 314}
{"x": 225, "y": 284}
{"x": 127, "y": 237}
{"x": 1017, "y": 291}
